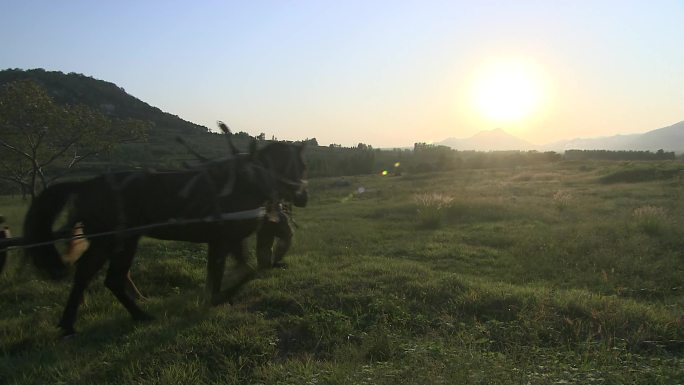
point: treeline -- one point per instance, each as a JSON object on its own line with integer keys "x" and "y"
{"x": 335, "y": 160}
{"x": 617, "y": 155}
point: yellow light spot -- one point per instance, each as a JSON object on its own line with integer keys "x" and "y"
{"x": 384, "y": 173}
{"x": 397, "y": 164}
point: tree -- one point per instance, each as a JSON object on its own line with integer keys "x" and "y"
{"x": 42, "y": 141}
{"x": 311, "y": 142}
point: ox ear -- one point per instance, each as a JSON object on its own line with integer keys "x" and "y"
{"x": 229, "y": 136}
{"x": 224, "y": 128}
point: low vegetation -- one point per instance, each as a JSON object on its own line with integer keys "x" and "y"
{"x": 542, "y": 274}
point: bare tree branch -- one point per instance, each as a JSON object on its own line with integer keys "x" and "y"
{"x": 61, "y": 152}
{"x": 41, "y": 134}
{"x": 15, "y": 149}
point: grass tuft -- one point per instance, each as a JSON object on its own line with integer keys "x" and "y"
{"x": 652, "y": 220}
{"x": 562, "y": 200}
{"x": 431, "y": 208}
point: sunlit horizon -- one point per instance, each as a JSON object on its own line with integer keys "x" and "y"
{"x": 386, "y": 74}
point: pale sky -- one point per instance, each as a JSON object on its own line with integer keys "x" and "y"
{"x": 385, "y": 73}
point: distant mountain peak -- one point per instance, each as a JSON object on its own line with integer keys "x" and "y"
{"x": 489, "y": 140}
{"x": 670, "y": 138}
{"x": 496, "y": 132}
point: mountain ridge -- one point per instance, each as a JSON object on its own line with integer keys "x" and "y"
{"x": 670, "y": 138}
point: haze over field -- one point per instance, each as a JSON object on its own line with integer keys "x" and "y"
{"x": 383, "y": 73}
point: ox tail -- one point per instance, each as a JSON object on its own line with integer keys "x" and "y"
{"x": 38, "y": 224}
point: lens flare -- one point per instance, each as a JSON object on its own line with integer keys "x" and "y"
{"x": 397, "y": 164}
{"x": 384, "y": 173}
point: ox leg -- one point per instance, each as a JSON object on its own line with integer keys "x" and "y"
{"x": 283, "y": 242}
{"x": 216, "y": 264}
{"x": 264, "y": 245}
{"x": 86, "y": 268}
{"x": 117, "y": 277}
{"x": 243, "y": 271}
{"x": 133, "y": 290}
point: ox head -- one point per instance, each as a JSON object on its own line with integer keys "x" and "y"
{"x": 285, "y": 163}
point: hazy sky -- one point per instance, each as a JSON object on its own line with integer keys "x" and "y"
{"x": 386, "y": 73}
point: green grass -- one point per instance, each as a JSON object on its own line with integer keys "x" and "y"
{"x": 528, "y": 276}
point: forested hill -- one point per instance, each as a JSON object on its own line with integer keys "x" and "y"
{"x": 160, "y": 147}
{"x": 73, "y": 88}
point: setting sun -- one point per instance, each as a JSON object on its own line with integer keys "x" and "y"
{"x": 508, "y": 91}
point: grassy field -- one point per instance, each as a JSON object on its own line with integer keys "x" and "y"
{"x": 571, "y": 273}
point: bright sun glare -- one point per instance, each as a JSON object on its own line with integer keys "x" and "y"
{"x": 508, "y": 91}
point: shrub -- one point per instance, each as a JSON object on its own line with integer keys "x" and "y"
{"x": 431, "y": 208}
{"x": 562, "y": 199}
{"x": 650, "y": 219}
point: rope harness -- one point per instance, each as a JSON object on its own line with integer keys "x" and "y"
{"x": 16, "y": 243}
